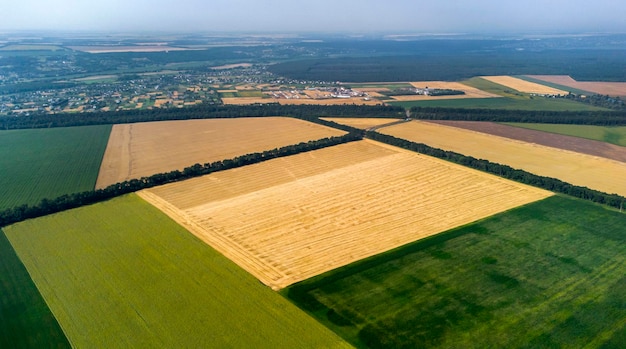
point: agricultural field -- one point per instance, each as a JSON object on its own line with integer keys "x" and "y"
{"x": 289, "y": 219}
{"x": 536, "y": 103}
{"x": 554, "y": 140}
{"x": 579, "y": 169}
{"x": 144, "y": 149}
{"x": 523, "y": 85}
{"x": 470, "y": 92}
{"x": 46, "y": 163}
{"x": 135, "y": 278}
{"x": 362, "y": 123}
{"x": 541, "y": 275}
{"x": 25, "y": 319}
{"x": 599, "y": 87}
{"x": 613, "y": 135}
{"x": 299, "y": 101}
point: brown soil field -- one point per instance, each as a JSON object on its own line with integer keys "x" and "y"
{"x": 144, "y": 149}
{"x": 362, "y": 123}
{"x": 523, "y": 85}
{"x": 603, "y": 88}
{"x": 329, "y": 101}
{"x": 576, "y": 144}
{"x": 288, "y": 219}
{"x": 470, "y": 92}
{"x": 579, "y": 169}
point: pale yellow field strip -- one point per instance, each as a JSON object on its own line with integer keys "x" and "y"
{"x": 470, "y": 92}
{"x": 299, "y": 101}
{"x": 523, "y": 85}
{"x": 144, "y": 149}
{"x": 362, "y": 123}
{"x": 289, "y": 219}
{"x": 575, "y": 168}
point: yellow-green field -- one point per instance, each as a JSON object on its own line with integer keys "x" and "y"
{"x": 120, "y": 274}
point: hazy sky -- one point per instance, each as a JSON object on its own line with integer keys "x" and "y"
{"x": 317, "y": 15}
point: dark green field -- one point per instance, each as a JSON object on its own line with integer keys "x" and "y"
{"x": 25, "y": 319}
{"x": 613, "y": 135}
{"x": 540, "y": 276}
{"x": 47, "y": 163}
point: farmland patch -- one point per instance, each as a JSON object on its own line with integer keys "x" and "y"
{"x": 288, "y": 219}
{"x": 46, "y": 163}
{"x": 549, "y": 273}
{"x": 120, "y": 274}
{"x": 144, "y": 149}
{"x": 575, "y": 168}
{"x": 600, "y": 87}
{"x": 25, "y": 319}
{"x": 524, "y": 86}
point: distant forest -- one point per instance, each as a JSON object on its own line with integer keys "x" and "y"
{"x": 582, "y": 65}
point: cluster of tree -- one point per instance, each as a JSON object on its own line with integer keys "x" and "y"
{"x": 204, "y": 111}
{"x": 548, "y": 183}
{"x": 603, "y": 101}
{"x": 66, "y": 202}
{"x": 444, "y": 92}
{"x": 602, "y": 118}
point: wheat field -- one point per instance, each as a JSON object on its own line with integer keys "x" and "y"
{"x": 288, "y": 219}
{"x": 144, "y": 149}
{"x": 579, "y": 169}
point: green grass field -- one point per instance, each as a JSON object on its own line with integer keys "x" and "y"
{"x": 47, "y": 163}
{"x": 547, "y": 275}
{"x": 613, "y": 135}
{"x": 25, "y": 319}
{"x": 121, "y": 274}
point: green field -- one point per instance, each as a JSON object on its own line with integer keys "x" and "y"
{"x": 547, "y": 275}
{"x": 614, "y": 135}
{"x": 121, "y": 274}
{"x": 25, "y": 319}
{"x": 47, "y": 163}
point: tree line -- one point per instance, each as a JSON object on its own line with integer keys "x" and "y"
{"x": 601, "y": 118}
{"x": 203, "y": 111}
{"x": 504, "y": 171}
{"x": 69, "y": 201}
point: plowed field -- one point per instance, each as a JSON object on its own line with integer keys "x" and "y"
{"x": 144, "y": 149}
{"x": 288, "y": 219}
{"x": 575, "y": 168}
{"x": 601, "y": 87}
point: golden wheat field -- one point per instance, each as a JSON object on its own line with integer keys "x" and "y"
{"x": 288, "y": 219}
{"x": 579, "y": 169}
{"x": 523, "y": 85}
{"x": 362, "y": 123}
{"x": 144, "y": 149}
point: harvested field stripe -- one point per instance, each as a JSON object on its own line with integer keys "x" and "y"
{"x": 579, "y": 169}
{"x": 287, "y": 230}
{"x": 143, "y": 149}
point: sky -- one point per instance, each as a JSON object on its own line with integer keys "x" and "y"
{"x": 363, "y": 16}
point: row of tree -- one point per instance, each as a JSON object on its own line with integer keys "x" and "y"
{"x": 505, "y": 171}
{"x": 602, "y": 118}
{"x": 66, "y": 202}
{"x": 204, "y": 111}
